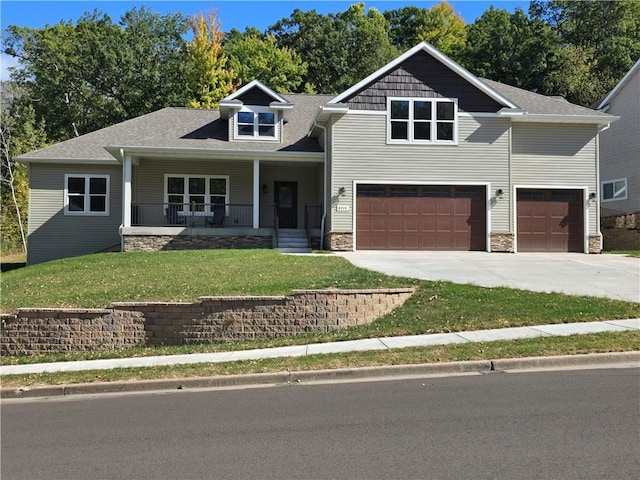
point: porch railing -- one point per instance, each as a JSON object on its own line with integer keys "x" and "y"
{"x": 191, "y": 215}
{"x": 312, "y": 219}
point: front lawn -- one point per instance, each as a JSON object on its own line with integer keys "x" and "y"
{"x": 94, "y": 281}
{"x": 97, "y": 280}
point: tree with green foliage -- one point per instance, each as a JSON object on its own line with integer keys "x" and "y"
{"x": 573, "y": 75}
{"x": 20, "y": 133}
{"x": 210, "y": 77}
{"x": 83, "y": 77}
{"x": 253, "y": 55}
{"x": 510, "y": 48}
{"x": 598, "y": 38}
{"x": 340, "y": 49}
{"x": 439, "y": 25}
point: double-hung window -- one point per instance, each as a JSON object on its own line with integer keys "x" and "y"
{"x": 614, "y": 190}
{"x": 422, "y": 120}
{"x": 196, "y": 193}
{"x": 257, "y": 123}
{"x": 86, "y": 194}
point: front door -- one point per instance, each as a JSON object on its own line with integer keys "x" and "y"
{"x": 286, "y": 200}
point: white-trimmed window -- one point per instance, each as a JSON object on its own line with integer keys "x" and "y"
{"x": 258, "y": 123}
{"x": 422, "y": 120}
{"x": 86, "y": 194}
{"x": 614, "y": 190}
{"x": 196, "y": 193}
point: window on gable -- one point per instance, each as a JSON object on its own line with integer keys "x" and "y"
{"x": 614, "y": 190}
{"x": 256, "y": 123}
{"x": 86, "y": 194}
{"x": 422, "y": 120}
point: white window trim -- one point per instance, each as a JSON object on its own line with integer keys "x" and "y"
{"x": 256, "y": 110}
{"x": 434, "y": 121}
{"x": 614, "y": 199}
{"x": 207, "y": 192}
{"x": 87, "y": 195}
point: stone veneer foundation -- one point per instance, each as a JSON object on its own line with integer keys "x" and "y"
{"x": 33, "y": 331}
{"x": 134, "y": 243}
{"x": 502, "y": 242}
{"x": 595, "y": 243}
{"x": 339, "y": 241}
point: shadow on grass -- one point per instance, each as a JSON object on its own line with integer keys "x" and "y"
{"x": 5, "y": 267}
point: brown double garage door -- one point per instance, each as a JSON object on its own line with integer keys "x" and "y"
{"x": 418, "y": 217}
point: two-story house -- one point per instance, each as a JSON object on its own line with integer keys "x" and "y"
{"x": 421, "y": 154}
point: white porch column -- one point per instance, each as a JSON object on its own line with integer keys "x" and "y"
{"x": 126, "y": 191}
{"x": 256, "y": 194}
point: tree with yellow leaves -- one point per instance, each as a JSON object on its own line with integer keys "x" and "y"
{"x": 210, "y": 79}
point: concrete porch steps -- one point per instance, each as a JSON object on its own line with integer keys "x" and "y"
{"x": 292, "y": 241}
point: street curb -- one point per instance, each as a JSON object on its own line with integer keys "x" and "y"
{"x": 346, "y": 374}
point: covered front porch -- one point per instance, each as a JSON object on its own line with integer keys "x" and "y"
{"x": 205, "y": 202}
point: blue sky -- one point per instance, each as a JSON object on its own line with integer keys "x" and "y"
{"x": 232, "y": 13}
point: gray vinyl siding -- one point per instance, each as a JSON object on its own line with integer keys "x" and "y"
{"x": 148, "y": 179}
{"x": 556, "y": 155}
{"x": 360, "y": 153}
{"x": 52, "y": 234}
{"x": 620, "y": 146}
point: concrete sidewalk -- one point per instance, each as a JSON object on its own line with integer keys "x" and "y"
{"x": 384, "y": 343}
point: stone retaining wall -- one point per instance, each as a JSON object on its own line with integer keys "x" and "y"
{"x": 621, "y": 232}
{"x": 211, "y": 319}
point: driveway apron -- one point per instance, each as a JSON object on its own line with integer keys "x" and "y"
{"x": 611, "y": 276}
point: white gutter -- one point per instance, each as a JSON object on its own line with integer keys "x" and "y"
{"x": 556, "y": 118}
{"x": 207, "y": 153}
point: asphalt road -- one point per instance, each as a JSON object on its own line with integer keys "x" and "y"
{"x": 568, "y": 425}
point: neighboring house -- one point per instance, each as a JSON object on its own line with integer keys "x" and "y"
{"x": 419, "y": 155}
{"x": 620, "y": 147}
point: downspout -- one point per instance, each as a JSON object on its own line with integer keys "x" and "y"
{"x": 324, "y": 198}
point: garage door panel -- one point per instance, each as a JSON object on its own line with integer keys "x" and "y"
{"x": 379, "y": 225}
{"x": 428, "y": 218}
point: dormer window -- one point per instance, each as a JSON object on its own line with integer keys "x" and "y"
{"x": 259, "y": 123}
{"x": 422, "y": 120}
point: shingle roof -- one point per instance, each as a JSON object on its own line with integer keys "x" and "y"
{"x": 537, "y": 104}
{"x": 189, "y": 128}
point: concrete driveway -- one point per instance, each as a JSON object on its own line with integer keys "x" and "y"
{"x": 611, "y": 276}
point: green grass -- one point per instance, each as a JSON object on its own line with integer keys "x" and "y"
{"x": 569, "y": 345}
{"x": 629, "y": 253}
{"x": 97, "y": 280}
{"x": 94, "y": 281}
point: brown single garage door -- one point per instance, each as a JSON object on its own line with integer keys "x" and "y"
{"x": 417, "y": 217}
{"x": 550, "y": 220}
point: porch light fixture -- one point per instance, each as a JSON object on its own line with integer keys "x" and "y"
{"x": 592, "y": 196}
{"x": 340, "y": 191}
{"x": 499, "y": 193}
{"x": 265, "y": 189}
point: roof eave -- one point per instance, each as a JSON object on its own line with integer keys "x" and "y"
{"x": 75, "y": 161}
{"x": 557, "y": 118}
{"x": 143, "y": 151}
